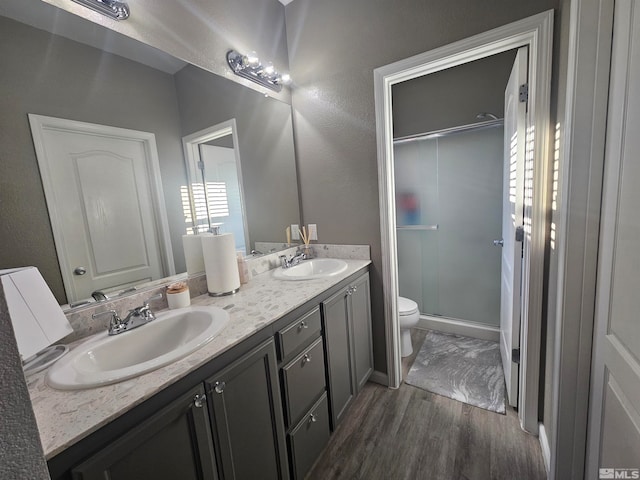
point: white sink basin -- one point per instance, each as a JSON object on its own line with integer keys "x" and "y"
{"x": 105, "y": 359}
{"x": 310, "y": 269}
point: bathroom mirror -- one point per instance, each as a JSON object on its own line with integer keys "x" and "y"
{"x": 58, "y": 65}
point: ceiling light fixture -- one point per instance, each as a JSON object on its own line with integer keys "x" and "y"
{"x": 249, "y": 66}
{"x": 111, "y": 8}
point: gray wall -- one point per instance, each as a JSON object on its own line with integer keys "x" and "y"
{"x": 334, "y": 46}
{"x": 265, "y": 143}
{"x": 49, "y": 75}
{"x": 451, "y": 97}
{"x": 21, "y": 454}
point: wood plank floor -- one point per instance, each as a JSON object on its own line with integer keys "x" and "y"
{"x": 410, "y": 433}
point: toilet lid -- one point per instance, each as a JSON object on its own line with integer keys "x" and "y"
{"x": 406, "y": 306}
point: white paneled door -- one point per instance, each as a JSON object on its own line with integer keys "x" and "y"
{"x": 614, "y": 422}
{"x": 512, "y": 218}
{"x": 101, "y": 200}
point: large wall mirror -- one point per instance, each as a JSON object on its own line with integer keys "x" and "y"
{"x": 56, "y": 65}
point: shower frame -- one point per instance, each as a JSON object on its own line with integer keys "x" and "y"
{"x": 452, "y": 324}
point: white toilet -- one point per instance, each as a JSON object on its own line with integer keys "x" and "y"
{"x": 409, "y": 316}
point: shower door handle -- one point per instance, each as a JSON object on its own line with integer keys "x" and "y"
{"x": 499, "y": 243}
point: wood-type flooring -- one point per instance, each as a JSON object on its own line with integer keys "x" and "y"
{"x": 410, "y": 433}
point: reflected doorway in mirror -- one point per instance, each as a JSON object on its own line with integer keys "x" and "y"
{"x": 215, "y": 191}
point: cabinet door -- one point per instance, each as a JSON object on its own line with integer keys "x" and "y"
{"x": 335, "y": 312}
{"x": 362, "y": 348}
{"x": 246, "y": 416}
{"x": 173, "y": 443}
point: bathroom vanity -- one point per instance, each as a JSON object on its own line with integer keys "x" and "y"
{"x": 259, "y": 401}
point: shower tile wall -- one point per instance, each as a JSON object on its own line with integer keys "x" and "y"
{"x": 457, "y": 182}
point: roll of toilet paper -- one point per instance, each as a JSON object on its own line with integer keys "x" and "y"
{"x": 220, "y": 264}
{"x": 193, "y": 256}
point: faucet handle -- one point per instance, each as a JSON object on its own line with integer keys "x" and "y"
{"x": 115, "y": 323}
{"x": 157, "y": 296}
{"x": 113, "y": 313}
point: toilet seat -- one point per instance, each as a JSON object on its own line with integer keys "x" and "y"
{"x": 407, "y": 306}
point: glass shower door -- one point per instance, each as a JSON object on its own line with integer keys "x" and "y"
{"x": 448, "y": 211}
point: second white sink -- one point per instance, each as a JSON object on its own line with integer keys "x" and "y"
{"x": 310, "y": 269}
{"x": 105, "y": 359}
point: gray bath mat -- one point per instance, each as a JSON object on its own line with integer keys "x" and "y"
{"x": 465, "y": 369}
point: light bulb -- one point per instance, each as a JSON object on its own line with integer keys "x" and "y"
{"x": 269, "y": 69}
{"x": 252, "y": 59}
{"x": 285, "y": 79}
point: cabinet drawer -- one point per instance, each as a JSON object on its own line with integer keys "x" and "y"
{"x": 304, "y": 380}
{"x": 295, "y": 335}
{"x": 309, "y": 437}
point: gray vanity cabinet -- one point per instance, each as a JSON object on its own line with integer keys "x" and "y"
{"x": 303, "y": 380}
{"x": 252, "y": 414}
{"x": 361, "y": 338}
{"x": 347, "y": 324}
{"x": 174, "y": 443}
{"x": 246, "y": 417}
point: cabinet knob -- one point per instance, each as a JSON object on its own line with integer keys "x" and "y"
{"x": 303, "y": 325}
{"x": 219, "y": 387}
{"x": 199, "y": 399}
{"x": 349, "y": 291}
{"x": 312, "y": 418}
{"x": 306, "y": 359}
{"x": 354, "y": 289}
{"x": 79, "y": 271}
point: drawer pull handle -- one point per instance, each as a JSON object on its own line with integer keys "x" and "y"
{"x": 303, "y": 325}
{"x": 219, "y": 387}
{"x": 312, "y": 418}
{"x": 306, "y": 359}
{"x": 198, "y": 400}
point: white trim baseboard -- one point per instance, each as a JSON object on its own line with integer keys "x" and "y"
{"x": 379, "y": 377}
{"x": 460, "y": 327}
{"x": 544, "y": 446}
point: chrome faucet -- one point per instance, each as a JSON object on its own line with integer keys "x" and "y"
{"x": 134, "y": 319}
{"x": 293, "y": 261}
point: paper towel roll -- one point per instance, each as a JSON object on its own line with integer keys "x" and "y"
{"x": 193, "y": 257}
{"x": 220, "y": 264}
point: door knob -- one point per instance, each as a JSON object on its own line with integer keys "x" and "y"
{"x": 499, "y": 243}
{"x": 79, "y": 271}
{"x": 198, "y": 400}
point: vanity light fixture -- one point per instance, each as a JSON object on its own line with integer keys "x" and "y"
{"x": 111, "y": 8}
{"x": 249, "y": 66}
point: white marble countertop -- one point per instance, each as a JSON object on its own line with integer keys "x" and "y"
{"x": 65, "y": 417}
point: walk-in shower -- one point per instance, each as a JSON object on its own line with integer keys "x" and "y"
{"x": 448, "y": 212}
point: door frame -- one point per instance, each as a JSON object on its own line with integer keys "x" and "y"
{"x": 581, "y": 146}
{"x": 535, "y": 32}
{"x": 39, "y": 123}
